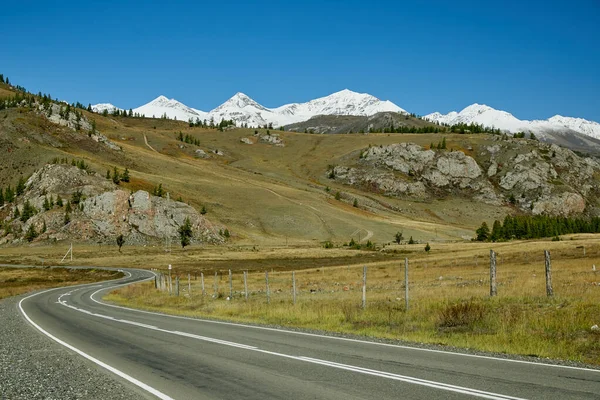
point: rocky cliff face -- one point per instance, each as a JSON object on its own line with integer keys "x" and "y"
{"x": 536, "y": 177}
{"x": 104, "y": 212}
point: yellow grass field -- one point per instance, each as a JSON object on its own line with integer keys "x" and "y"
{"x": 448, "y": 290}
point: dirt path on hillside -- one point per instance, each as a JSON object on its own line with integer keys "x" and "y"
{"x": 148, "y": 144}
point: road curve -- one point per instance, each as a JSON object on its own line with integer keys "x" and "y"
{"x": 172, "y": 357}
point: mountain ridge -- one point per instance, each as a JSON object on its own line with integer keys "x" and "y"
{"x": 244, "y": 110}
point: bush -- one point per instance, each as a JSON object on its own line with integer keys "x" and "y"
{"x": 463, "y": 314}
{"x": 427, "y": 247}
{"x": 328, "y": 245}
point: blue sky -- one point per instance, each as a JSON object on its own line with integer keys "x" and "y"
{"x": 532, "y": 58}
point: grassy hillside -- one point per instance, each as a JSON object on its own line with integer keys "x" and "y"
{"x": 263, "y": 193}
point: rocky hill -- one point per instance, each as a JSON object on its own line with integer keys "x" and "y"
{"x": 100, "y": 211}
{"x": 532, "y": 176}
{"x": 357, "y": 124}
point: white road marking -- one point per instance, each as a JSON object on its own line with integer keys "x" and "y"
{"x": 352, "y": 368}
{"x": 115, "y": 371}
{"x": 398, "y": 346}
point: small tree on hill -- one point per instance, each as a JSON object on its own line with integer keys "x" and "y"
{"x": 31, "y": 233}
{"x": 355, "y": 203}
{"x": 427, "y": 248}
{"x": 59, "y": 201}
{"x": 483, "y": 232}
{"x": 21, "y": 186}
{"x": 185, "y": 233}
{"x": 398, "y": 237}
{"x": 120, "y": 241}
{"x": 125, "y": 175}
{"x": 204, "y": 211}
{"x": 411, "y": 241}
{"x": 116, "y": 178}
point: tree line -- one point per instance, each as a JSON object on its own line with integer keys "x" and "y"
{"x": 535, "y": 227}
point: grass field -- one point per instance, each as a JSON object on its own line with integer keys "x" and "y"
{"x": 15, "y": 281}
{"x": 449, "y": 298}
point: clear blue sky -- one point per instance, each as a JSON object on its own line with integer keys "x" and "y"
{"x": 532, "y": 58}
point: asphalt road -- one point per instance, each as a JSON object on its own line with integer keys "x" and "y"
{"x": 180, "y": 358}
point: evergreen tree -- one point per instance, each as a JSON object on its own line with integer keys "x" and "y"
{"x": 125, "y": 175}
{"x": 120, "y": 241}
{"x": 483, "y": 232}
{"x": 427, "y": 247}
{"x": 28, "y": 211}
{"x": 67, "y": 217}
{"x": 496, "y": 231}
{"x": 44, "y": 228}
{"x": 51, "y": 201}
{"x": 9, "y": 195}
{"x": 204, "y": 211}
{"x": 20, "y": 186}
{"x": 185, "y": 233}
{"x": 46, "y": 203}
{"x": 108, "y": 174}
{"x": 355, "y": 203}
{"x": 398, "y": 237}
{"x": 115, "y": 177}
{"x": 443, "y": 143}
{"x": 31, "y": 233}
{"x": 411, "y": 241}
{"x": 59, "y": 201}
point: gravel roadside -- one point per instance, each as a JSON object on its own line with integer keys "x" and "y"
{"x": 33, "y": 366}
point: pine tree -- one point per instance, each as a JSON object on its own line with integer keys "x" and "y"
{"x": 108, "y": 174}
{"x": 125, "y": 175}
{"x": 46, "y": 203}
{"x": 9, "y": 195}
{"x": 115, "y": 177}
{"x": 443, "y": 143}
{"x": 28, "y": 211}
{"x": 59, "y": 201}
{"x": 398, "y": 237}
{"x": 427, "y": 247}
{"x": 483, "y": 232}
{"x": 411, "y": 241}
{"x": 67, "y": 217}
{"x": 204, "y": 211}
{"x": 185, "y": 233}
{"x": 31, "y": 233}
{"x": 120, "y": 241}
{"x": 20, "y": 186}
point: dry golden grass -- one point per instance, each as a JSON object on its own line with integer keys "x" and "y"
{"x": 15, "y": 281}
{"x": 449, "y": 298}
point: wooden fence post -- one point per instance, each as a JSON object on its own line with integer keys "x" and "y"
{"x": 177, "y": 286}
{"x": 549, "y": 291}
{"x": 170, "y": 285}
{"x": 216, "y": 285}
{"x": 230, "y": 286}
{"x": 267, "y": 281}
{"x": 202, "y": 283}
{"x": 406, "y": 282}
{"x": 246, "y": 284}
{"x": 155, "y": 281}
{"x": 364, "y": 288}
{"x": 493, "y": 289}
{"x": 294, "y": 287}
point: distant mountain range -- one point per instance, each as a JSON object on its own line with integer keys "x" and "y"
{"x": 244, "y": 110}
{"x": 487, "y": 116}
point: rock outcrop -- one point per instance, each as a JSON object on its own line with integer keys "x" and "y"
{"x": 102, "y": 212}
{"x": 536, "y": 177}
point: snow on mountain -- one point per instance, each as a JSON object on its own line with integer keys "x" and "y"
{"x": 243, "y": 110}
{"x": 345, "y": 102}
{"x": 99, "y": 108}
{"x": 172, "y": 108}
{"x": 490, "y": 117}
{"x": 581, "y": 125}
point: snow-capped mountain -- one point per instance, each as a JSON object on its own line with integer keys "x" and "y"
{"x": 99, "y": 108}
{"x": 490, "y": 117}
{"x": 345, "y": 102}
{"x": 243, "y": 110}
{"x": 172, "y": 108}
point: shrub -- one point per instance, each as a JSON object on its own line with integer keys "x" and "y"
{"x": 462, "y": 314}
